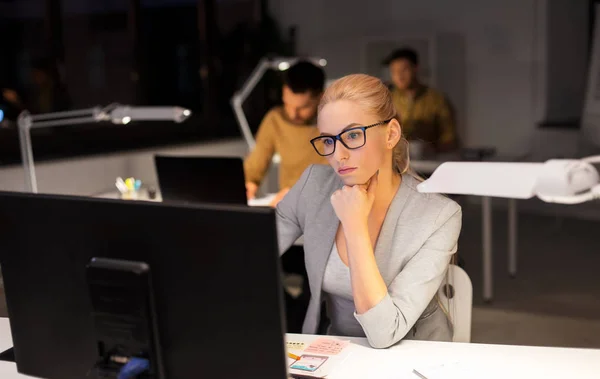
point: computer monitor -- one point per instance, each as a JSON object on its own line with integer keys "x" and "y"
{"x": 215, "y": 294}
{"x": 201, "y": 179}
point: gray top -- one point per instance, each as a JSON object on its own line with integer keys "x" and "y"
{"x": 413, "y": 250}
{"x": 337, "y": 288}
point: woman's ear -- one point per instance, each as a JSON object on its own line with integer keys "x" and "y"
{"x": 394, "y": 133}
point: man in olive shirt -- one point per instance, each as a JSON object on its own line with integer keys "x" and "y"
{"x": 425, "y": 113}
{"x": 287, "y": 130}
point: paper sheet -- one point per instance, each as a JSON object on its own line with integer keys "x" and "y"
{"x": 262, "y": 201}
{"x": 448, "y": 370}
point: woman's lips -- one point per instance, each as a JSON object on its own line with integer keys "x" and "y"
{"x": 346, "y": 170}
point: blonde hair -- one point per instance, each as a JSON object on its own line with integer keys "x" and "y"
{"x": 373, "y": 96}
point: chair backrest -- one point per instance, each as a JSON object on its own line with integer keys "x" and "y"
{"x": 456, "y": 295}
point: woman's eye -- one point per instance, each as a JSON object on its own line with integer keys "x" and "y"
{"x": 328, "y": 142}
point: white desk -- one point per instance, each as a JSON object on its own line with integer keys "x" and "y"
{"x": 478, "y": 360}
{"x": 7, "y": 370}
{"x": 483, "y": 361}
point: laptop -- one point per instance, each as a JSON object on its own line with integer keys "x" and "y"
{"x": 217, "y": 180}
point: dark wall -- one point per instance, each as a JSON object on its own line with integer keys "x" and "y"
{"x": 104, "y": 60}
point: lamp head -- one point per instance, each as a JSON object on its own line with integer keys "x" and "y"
{"x": 567, "y": 181}
{"x": 283, "y": 63}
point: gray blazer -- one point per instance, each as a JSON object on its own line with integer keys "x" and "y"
{"x": 417, "y": 239}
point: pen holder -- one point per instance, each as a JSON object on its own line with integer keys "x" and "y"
{"x": 129, "y": 188}
{"x": 130, "y": 195}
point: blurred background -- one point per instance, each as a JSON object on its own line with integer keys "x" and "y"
{"x": 60, "y": 55}
{"x": 520, "y": 75}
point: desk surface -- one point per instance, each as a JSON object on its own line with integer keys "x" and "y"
{"x": 466, "y": 360}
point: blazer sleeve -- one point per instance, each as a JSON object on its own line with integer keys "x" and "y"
{"x": 412, "y": 290}
{"x": 290, "y": 214}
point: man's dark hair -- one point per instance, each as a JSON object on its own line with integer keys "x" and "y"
{"x": 403, "y": 53}
{"x": 304, "y": 77}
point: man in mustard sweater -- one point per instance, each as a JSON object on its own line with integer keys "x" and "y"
{"x": 287, "y": 130}
{"x": 425, "y": 113}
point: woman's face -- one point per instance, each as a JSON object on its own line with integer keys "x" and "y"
{"x": 356, "y": 166}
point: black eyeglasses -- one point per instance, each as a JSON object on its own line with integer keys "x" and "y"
{"x": 353, "y": 138}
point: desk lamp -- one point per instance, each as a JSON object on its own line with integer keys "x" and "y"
{"x": 563, "y": 181}
{"x": 116, "y": 113}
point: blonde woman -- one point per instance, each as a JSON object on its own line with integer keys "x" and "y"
{"x": 376, "y": 249}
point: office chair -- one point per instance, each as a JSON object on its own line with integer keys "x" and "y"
{"x": 456, "y": 296}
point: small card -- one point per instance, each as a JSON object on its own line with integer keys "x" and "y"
{"x": 310, "y": 363}
{"x": 295, "y": 345}
{"x": 327, "y": 346}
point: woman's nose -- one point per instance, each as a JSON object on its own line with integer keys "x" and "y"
{"x": 341, "y": 152}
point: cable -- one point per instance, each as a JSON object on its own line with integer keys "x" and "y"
{"x": 133, "y": 368}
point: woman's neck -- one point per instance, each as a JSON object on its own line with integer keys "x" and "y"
{"x": 387, "y": 185}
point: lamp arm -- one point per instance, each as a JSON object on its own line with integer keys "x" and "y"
{"x": 26, "y": 121}
{"x": 71, "y": 121}
{"x": 63, "y": 115}
{"x": 239, "y": 97}
{"x": 243, "y": 123}
{"x": 24, "y": 125}
{"x": 255, "y": 77}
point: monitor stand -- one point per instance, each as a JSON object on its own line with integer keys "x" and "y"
{"x": 8, "y": 355}
{"x": 122, "y": 298}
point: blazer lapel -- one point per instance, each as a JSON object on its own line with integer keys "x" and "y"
{"x": 386, "y": 235}
{"x": 320, "y": 241}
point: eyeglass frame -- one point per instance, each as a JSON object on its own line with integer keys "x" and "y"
{"x": 339, "y": 137}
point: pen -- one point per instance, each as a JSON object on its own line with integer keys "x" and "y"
{"x": 293, "y": 356}
{"x": 121, "y": 185}
{"x": 129, "y": 183}
{"x": 419, "y": 374}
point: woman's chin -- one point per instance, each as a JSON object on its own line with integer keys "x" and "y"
{"x": 355, "y": 177}
{"x": 352, "y": 180}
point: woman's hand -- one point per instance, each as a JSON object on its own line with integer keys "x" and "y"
{"x": 352, "y": 204}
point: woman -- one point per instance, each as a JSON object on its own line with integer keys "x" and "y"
{"x": 376, "y": 249}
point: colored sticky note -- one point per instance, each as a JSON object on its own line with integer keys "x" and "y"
{"x": 294, "y": 345}
{"x": 326, "y": 346}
